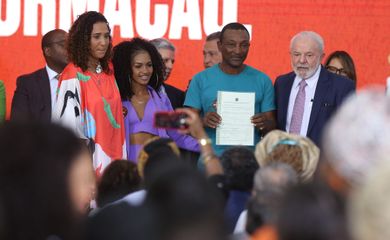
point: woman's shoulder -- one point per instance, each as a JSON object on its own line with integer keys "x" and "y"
{"x": 159, "y": 97}
{"x": 153, "y": 93}
{"x": 70, "y": 71}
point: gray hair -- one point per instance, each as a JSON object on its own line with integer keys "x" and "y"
{"x": 275, "y": 177}
{"x": 358, "y": 135}
{"x": 213, "y": 36}
{"x": 309, "y": 34}
{"x": 162, "y": 43}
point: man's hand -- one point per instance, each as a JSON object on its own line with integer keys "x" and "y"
{"x": 265, "y": 121}
{"x": 211, "y": 119}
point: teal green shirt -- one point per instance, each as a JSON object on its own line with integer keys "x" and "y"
{"x": 203, "y": 89}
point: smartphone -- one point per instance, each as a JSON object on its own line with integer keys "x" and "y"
{"x": 170, "y": 120}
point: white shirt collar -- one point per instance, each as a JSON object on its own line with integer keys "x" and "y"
{"x": 311, "y": 81}
{"x": 51, "y": 73}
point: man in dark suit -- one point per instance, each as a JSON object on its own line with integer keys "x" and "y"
{"x": 34, "y": 96}
{"x": 167, "y": 52}
{"x": 307, "y": 97}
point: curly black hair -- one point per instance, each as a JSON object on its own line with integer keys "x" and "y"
{"x": 240, "y": 166}
{"x": 124, "y": 53}
{"x": 79, "y": 40}
{"x": 119, "y": 179}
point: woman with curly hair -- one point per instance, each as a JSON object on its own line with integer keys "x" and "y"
{"x": 88, "y": 100}
{"x": 139, "y": 72}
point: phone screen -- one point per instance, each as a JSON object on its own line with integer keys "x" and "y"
{"x": 170, "y": 120}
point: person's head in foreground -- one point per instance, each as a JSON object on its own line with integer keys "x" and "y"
{"x": 270, "y": 184}
{"x": 46, "y": 179}
{"x": 240, "y": 165}
{"x": 369, "y": 206}
{"x": 188, "y": 206}
{"x": 356, "y": 138}
{"x": 119, "y": 179}
{"x": 311, "y": 211}
{"x": 297, "y": 151}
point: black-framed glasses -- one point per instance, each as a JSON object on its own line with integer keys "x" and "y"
{"x": 339, "y": 71}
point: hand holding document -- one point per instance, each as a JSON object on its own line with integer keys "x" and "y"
{"x": 236, "y": 110}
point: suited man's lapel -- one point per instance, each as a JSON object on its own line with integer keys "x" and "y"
{"x": 44, "y": 87}
{"x": 285, "y": 97}
{"x": 319, "y": 96}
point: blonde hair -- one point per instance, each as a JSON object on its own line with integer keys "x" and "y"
{"x": 297, "y": 151}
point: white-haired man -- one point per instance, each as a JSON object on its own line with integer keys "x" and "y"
{"x": 167, "y": 51}
{"x": 307, "y": 96}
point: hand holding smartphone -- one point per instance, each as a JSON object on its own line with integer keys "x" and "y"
{"x": 170, "y": 120}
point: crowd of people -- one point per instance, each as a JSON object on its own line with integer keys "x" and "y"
{"x": 82, "y": 157}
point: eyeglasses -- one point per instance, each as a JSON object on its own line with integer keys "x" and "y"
{"x": 336, "y": 70}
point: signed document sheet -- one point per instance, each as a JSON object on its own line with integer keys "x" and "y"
{"x": 235, "y": 109}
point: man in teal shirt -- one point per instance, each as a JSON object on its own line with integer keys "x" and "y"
{"x": 232, "y": 75}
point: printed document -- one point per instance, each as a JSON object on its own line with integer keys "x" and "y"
{"x": 235, "y": 109}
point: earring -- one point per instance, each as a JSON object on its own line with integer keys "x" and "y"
{"x": 156, "y": 80}
{"x": 130, "y": 81}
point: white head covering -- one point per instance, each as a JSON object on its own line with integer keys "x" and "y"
{"x": 358, "y": 135}
{"x": 369, "y": 205}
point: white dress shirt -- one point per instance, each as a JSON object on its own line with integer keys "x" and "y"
{"x": 309, "y": 92}
{"x": 53, "y": 85}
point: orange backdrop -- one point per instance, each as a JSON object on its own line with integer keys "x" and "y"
{"x": 359, "y": 27}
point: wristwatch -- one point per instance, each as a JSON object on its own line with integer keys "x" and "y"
{"x": 204, "y": 141}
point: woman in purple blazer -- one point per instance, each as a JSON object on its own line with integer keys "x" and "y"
{"x": 138, "y": 69}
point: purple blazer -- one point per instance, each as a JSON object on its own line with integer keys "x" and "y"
{"x": 134, "y": 125}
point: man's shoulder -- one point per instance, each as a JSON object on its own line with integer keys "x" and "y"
{"x": 337, "y": 80}
{"x": 71, "y": 71}
{"x": 290, "y": 75}
{"x": 33, "y": 75}
{"x": 253, "y": 72}
{"x": 211, "y": 71}
{"x": 170, "y": 88}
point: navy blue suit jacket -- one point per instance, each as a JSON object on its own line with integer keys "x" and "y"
{"x": 32, "y": 98}
{"x": 329, "y": 94}
{"x": 175, "y": 95}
